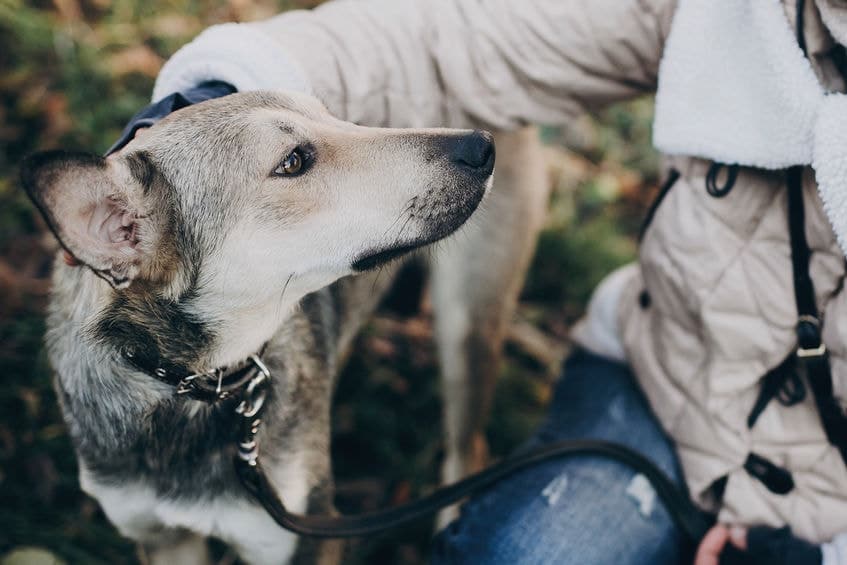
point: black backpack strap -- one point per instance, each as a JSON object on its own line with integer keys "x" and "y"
{"x": 811, "y": 351}
{"x": 808, "y": 323}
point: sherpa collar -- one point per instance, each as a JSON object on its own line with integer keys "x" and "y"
{"x": 735, "y": 87}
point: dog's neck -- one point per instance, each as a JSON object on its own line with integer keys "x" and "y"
{"x": 242, "y": 329}
{"x": 195, "y": 333}
{"x": 240, "y": 332}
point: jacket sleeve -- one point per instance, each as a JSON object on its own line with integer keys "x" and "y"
{"x": 409, "y": 63}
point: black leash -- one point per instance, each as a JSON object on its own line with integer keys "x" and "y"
{"x": 247, "y": 385}
{"x": 690, "y": 520}
{"x": 693, "y": 523}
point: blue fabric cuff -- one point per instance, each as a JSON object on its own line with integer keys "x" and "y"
{"x": 176, "y": 101}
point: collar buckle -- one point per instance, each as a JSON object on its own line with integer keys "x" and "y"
{"x": 185, "y": 385}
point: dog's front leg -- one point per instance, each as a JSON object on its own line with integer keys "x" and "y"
{"x": 476, "y": 280}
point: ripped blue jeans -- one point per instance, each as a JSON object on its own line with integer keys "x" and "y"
{"x": 583, "y": 510}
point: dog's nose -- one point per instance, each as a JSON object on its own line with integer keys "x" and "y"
{"x": 475, "y": 151}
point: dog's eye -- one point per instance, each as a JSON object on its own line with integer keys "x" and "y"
{"x": 291, "y": 165}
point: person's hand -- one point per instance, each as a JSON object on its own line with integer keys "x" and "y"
{"x": 759, "y": 545}
{"x": 714, "y": 543}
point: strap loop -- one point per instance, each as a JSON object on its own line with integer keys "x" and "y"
{"x": 783, "y": 383}
{"x": 712, "y": 179}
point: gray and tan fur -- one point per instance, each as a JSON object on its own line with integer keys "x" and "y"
{"x": 196, "y": 251}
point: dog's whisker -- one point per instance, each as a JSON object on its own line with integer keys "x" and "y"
{"x": 281, "y": 302}
{"x": 376, "y": 279}
{"x": 285, "y": 287}
{"x": 394, "y": 223}
{"x": 409, "y": 205}
{"x": 402, "y": 229}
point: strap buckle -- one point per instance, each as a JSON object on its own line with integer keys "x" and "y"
{"x": 804, "y": 353}
{"x": 809, "y": 342}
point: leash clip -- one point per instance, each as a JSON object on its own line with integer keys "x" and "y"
{"x": 250, "y": 407}
{"x": 256, "y": 391}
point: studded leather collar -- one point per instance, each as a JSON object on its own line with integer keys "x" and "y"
{"x": 209, "y": 386}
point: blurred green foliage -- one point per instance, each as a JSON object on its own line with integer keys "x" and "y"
{"x": 71, "y": 73}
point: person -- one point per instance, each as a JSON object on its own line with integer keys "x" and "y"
{"x": 721, "y": 355}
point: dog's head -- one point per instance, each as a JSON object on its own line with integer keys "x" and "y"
{"x": 234, "y": 199}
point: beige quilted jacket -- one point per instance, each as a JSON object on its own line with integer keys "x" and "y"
{"x": 710, "y": 307}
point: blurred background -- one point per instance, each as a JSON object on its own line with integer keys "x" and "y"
{"x": 71, "y": 73}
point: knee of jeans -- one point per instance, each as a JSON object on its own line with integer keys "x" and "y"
{"x": 593, "y": 512}
{"x": 657, "y": 449}
{"x": 509, "y": 544}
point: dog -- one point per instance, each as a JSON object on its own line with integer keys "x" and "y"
{"x": 256, "y": 222}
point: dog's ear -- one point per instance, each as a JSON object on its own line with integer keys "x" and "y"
{"x": 94, "y": 211}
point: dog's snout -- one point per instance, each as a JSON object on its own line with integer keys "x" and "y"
{"x": 474, "y": 151}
